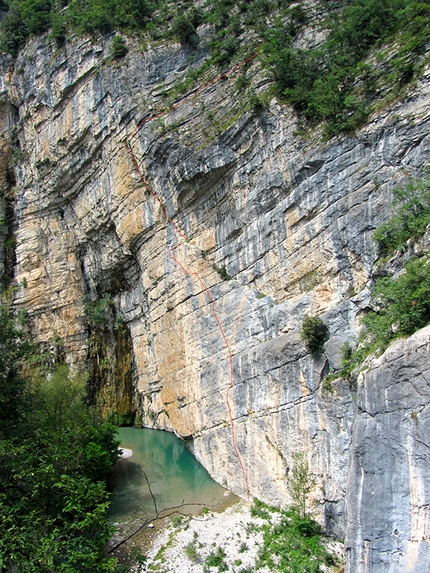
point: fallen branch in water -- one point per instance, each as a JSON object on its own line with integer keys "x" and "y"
{"x": 159, "y": 515}
{"x": 150, "y": 490}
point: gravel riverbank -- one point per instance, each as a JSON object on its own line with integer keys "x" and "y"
{"x": 210, "y": 543}
{"x": 190, "y": 543}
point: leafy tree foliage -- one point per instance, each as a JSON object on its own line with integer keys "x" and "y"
{"x": 412, "y": 205}
{"x": 322, "y": 83}
{"x": 14, "y": 31}
{"x": 314, "y": 334}
{"x": 54, "y": 460}
{"x": 291, "y": 542}
{"x": 36, "y": 15}
{"x": 132, "y": 14}
{"x": 404, "y": 304}
{"x": 119, "y": 48}
{"x": 184, "y": 28}
{"x": 12, "y": 386}
{"x": 32, "y": 17}
{"x": 92, "y": 16}
{"x": 184, "y": 25}
{"x": 58, "y": 29}
{"x": 300, "y": 484}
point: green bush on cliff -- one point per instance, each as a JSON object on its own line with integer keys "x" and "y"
{"x": 98, "y": 311}
{"x": 118, "y": 48}
{"x": 330, "y": 83}
{"x": 403, "y": 304}
{"x": 412, "y": 206}
{"x": 183, "y": 28}
{"x": 184, "y": 25}
{"x": 314, "y": 334}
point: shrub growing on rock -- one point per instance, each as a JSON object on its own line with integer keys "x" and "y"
{"x": 314, "y": 334}
{"x": 119, "y": 48}
{"x": 183, "y": 28}
{"x": 412, "y": 215}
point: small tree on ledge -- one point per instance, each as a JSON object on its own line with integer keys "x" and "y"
{"x": 314, "y": 334}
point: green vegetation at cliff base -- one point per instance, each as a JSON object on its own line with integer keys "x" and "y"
{"x": 54, "y": 460}
{"x": 292, "y": 543}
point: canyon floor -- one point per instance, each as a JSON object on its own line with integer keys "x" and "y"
{"x": 210, "y": 542}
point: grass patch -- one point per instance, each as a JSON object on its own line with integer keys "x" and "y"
{"x": 177, "y": 520}
{"x": 327, "y": 386}
{"x": 243, "y": 547}
{"x": 261, "y": 510}
{"x": 190, "y": 551}
{"x": 215, "y": 559}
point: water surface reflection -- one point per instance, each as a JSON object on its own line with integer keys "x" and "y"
{"x": 160, "y": 475}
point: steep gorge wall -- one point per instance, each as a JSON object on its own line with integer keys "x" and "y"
{"x": 389, "y": 483}
{"x": 290, "y": 218}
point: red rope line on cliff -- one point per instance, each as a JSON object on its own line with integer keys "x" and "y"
{"x": 186, "y": 240}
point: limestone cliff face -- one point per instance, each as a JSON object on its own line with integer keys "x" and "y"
{"x": 289, "y": 218}
{"x": 390, "y": 458}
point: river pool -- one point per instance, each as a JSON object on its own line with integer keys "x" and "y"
{"x": 158, "y": 477}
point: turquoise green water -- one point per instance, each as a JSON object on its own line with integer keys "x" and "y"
{"x": 173, "y": 475}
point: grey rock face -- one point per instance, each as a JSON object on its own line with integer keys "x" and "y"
{"x": 289, "y": 219}
{"x": 389, "y": 481}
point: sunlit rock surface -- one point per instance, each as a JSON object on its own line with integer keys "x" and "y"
{"x": 288, "y": 218}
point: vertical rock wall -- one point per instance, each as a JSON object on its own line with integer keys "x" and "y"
{"x": 389, "y": 482}
{"x": 289, "y": 219}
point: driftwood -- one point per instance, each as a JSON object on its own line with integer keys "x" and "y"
{"x": 158, "y": 514}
